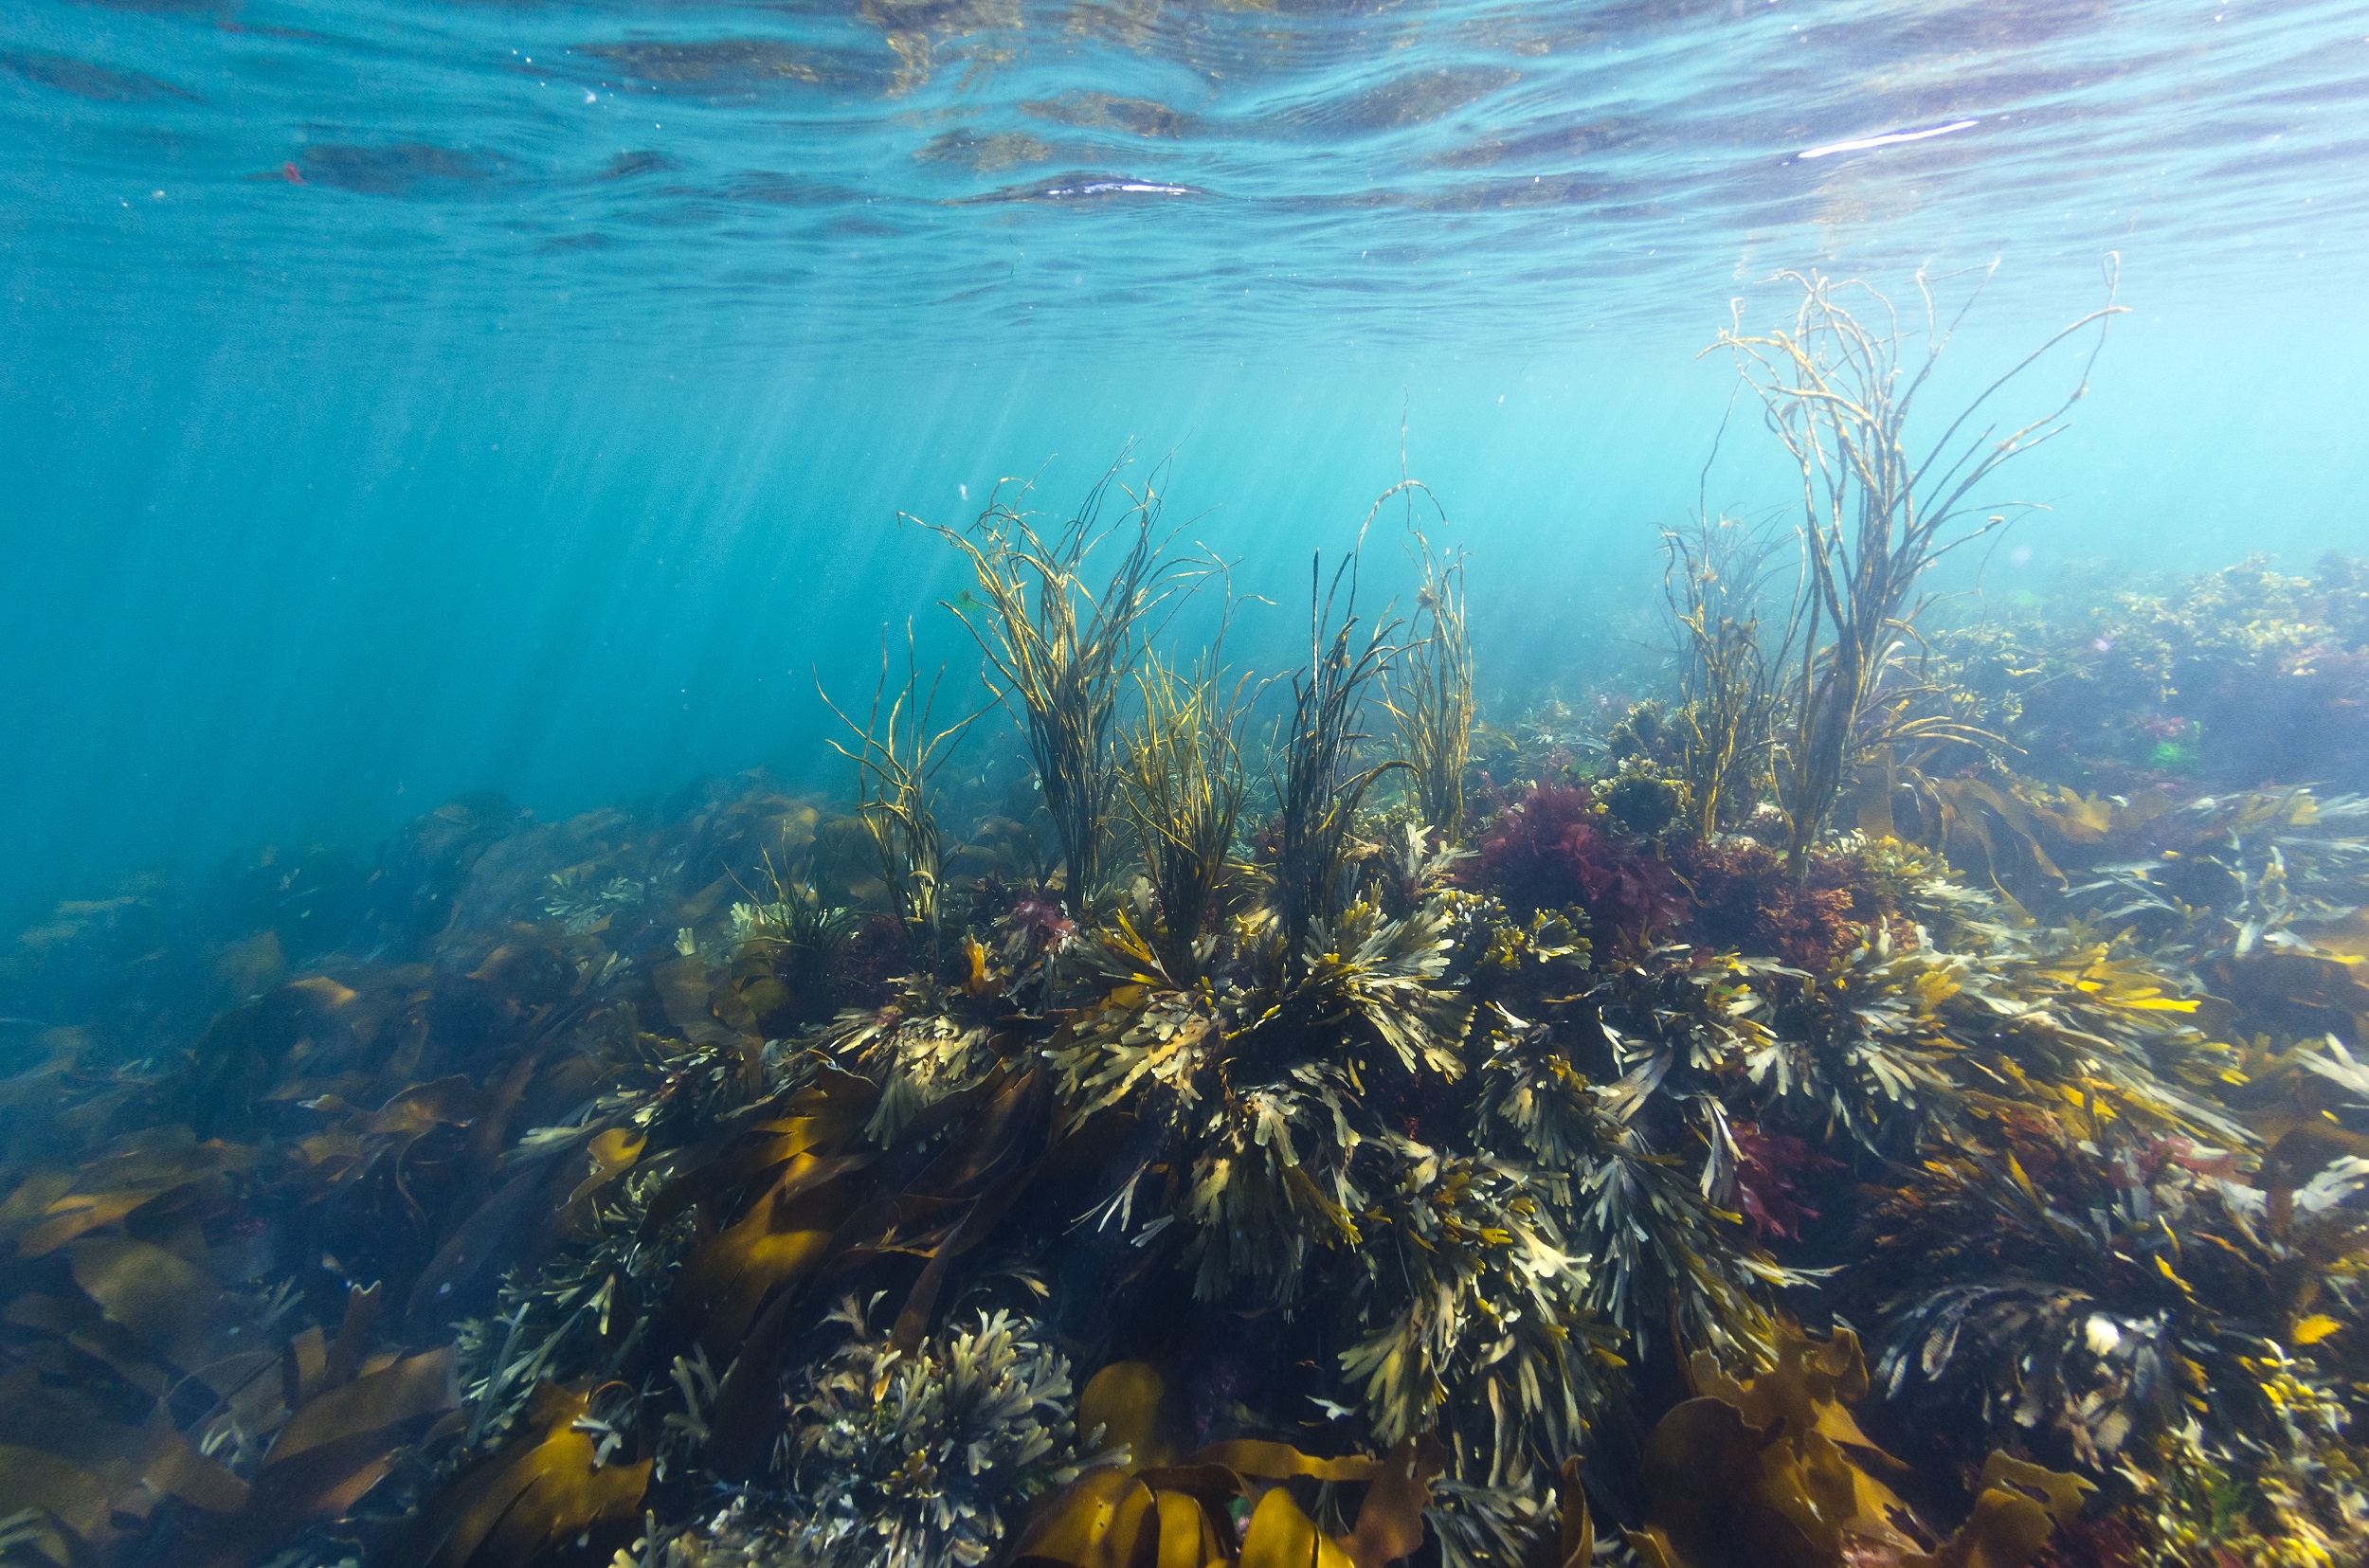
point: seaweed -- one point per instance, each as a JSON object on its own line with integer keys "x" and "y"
{"x": 1320, "y": 787}
{"x": 1839, "y": 394}
{"x": 1431, "y": 693}
{"x": 897, "y": 760}
{"x": 1552, "y": 848}
{"x": 1060, "y": 652}
{"x": 753, "y": 1179}
{"x": 1713, "y": 577}
{"x": 1462, "y": 1177}
{"x": 2217, "y": 680}
{"x": 1184, "y": 784}
{"x": 908, "y": 1460}
{"x": 1150, "y": 1502}
{"x": 546, "y": 1486}
{"x": 1741, "y": 897}
{"x": 1774, "y": 1469}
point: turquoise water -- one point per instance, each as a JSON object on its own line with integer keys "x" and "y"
{"x": 404, "y": 398}
{"x": 411, "y": 406}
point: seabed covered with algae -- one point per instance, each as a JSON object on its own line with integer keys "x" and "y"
{"x": 1888, "y": 1099}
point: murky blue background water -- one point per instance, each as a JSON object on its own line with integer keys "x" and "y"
{"x": 406, "y": 398}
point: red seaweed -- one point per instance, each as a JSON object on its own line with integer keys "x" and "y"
{"x": 1744, "y": 899}
{"x": 1548, "y": 850}
{"x": 1771, "y": 1170}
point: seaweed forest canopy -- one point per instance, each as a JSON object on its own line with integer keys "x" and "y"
{"x": 1890, "y": 1099}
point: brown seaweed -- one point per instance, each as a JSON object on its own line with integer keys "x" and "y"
{"x": 659, "y": 1184}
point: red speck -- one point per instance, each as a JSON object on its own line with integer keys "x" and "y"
{"x": 289, "y": 173}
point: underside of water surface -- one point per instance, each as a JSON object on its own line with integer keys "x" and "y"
{"x": 1176, "y": 785}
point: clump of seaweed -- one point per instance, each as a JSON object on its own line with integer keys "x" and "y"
{"x": 1184, "y": 784}
{"x": 1740, "y": 896}
{"x": 1431, "y": 695}
{"x": 2219, "y": 680}
{"x": 1714, "y": 575}
{"x": 1321, "y": 785}
{"x": 898, "y": 757}
{"x": 1060, "y": 651}
{"x": 1836, "y": 391}
{"x": 1552, "y": 848}
{"x": 1471, "y": 1317}
{"x": 902, "y": 1459}
{"x": 1774, "y": 1469}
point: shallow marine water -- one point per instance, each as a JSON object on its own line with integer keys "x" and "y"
{"x": 509, "y": 1053}
{"x": 554, "y": 425}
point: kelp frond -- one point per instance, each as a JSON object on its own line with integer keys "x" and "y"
{"x": 549, "y": 1483}
{"x": 1775, "y": 1470}
{"x": 1238, "y": 1503}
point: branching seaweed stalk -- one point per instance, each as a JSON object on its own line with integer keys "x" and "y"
{"x": 1431, "y": 692}
{"x": 1322, "y": 787}
{"x": 1837, "y": 389}
{"x": 896, "y": 762}
{"x": 1712, "y": 574}
{"x": 1182, "y": 778}
{"x": 1058, "y": 652}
